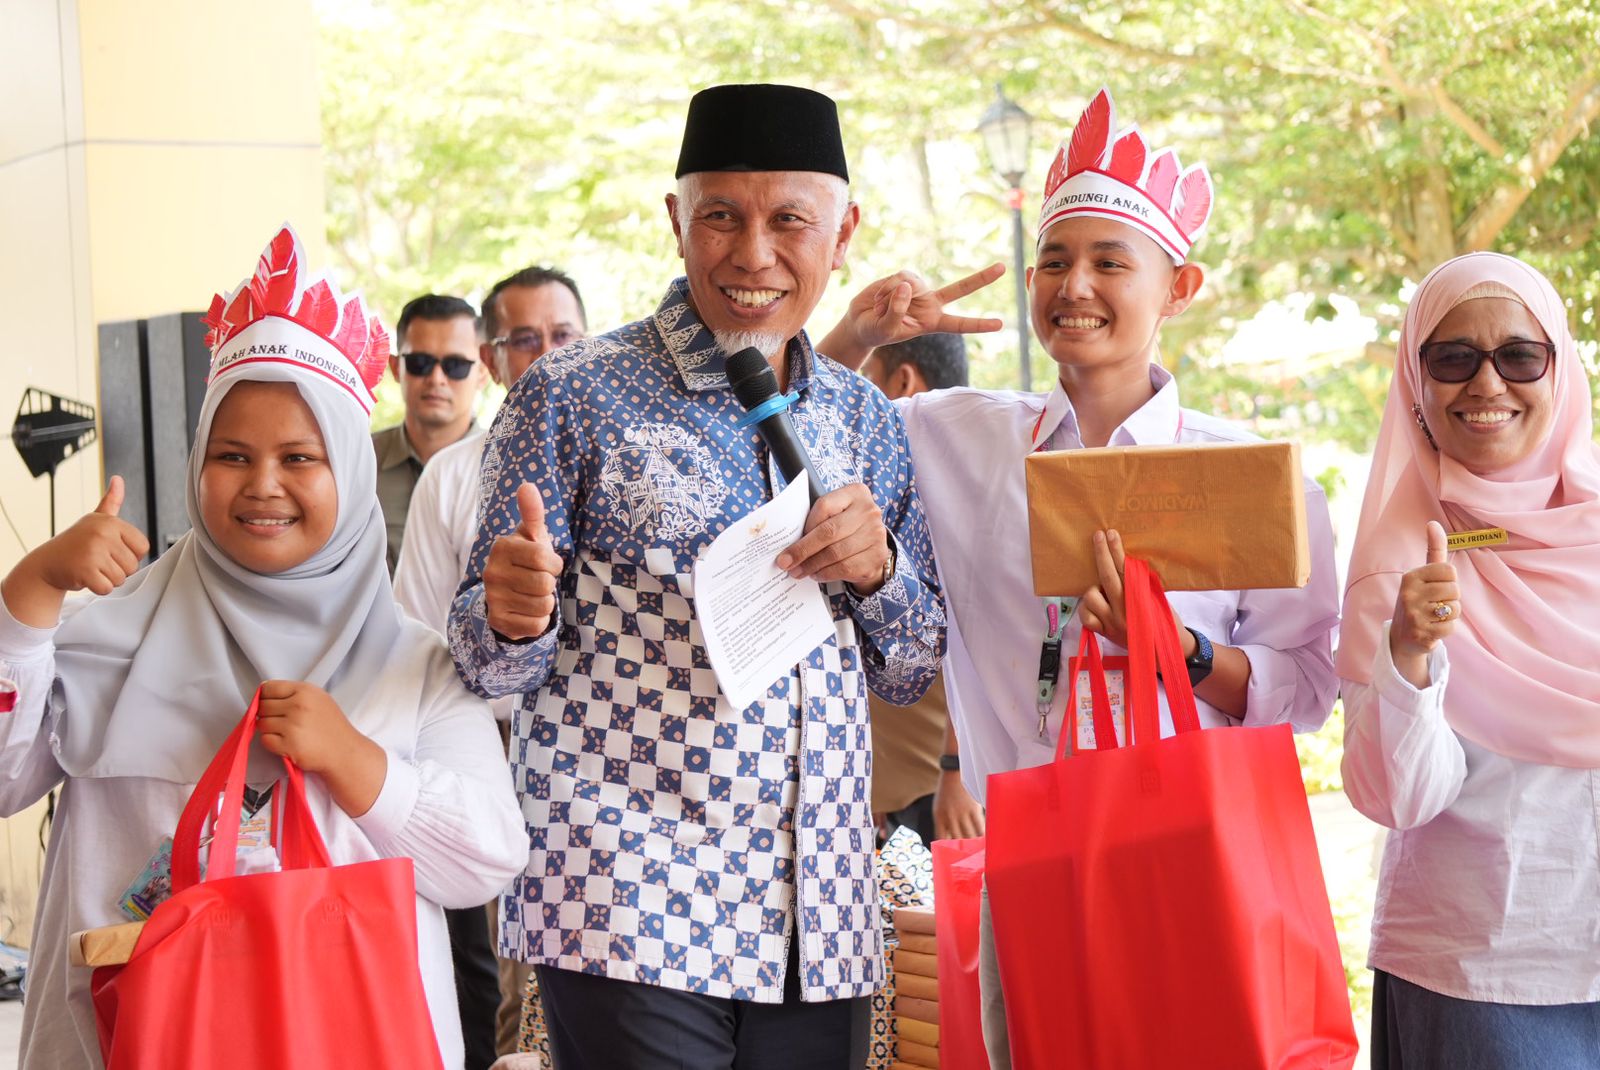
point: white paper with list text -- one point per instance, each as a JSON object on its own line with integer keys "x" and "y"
{"x": 757, "y": 622}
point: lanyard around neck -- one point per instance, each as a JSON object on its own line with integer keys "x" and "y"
{"x": 1057, "y": 611}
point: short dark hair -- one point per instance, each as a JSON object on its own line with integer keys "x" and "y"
{"x": 431, "y": 307}
{"x": 941, "y": 358}
{"x": 529, "y": 277}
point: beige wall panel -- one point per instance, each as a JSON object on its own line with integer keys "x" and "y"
{"x": 199, "y": 70}
{"x": 44, "y": 298}
{"x": 38, "y": 58}
{"x": 170, "y": 226}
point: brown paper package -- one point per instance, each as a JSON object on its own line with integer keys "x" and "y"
{"x": 1207, "y": 518}
{"x": 914, "y": 920}
{"x": 917, "y": 1032}
{"x": 922, "y": 1010}
{"x": 915, "y": 987}
{"x": 108, "y": 946}
{"x": 911, "y": 962}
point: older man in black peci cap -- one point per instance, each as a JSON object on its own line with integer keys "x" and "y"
{"x": 700, "y": 891}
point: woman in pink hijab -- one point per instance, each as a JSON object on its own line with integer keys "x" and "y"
{"x": 1471, "y": 680}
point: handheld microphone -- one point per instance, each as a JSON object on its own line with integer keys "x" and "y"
{"x": 756, "y": 387}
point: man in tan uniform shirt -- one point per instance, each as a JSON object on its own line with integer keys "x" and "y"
{"x": 916, "y": 778}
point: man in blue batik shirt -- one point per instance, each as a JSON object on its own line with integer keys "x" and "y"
{"x": 700, "y": 890}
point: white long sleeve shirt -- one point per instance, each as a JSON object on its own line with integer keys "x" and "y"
{"x": 969, "y": 447}
{"x": 440, "y": 526}
{"x": 1490, "y": 884}
{"x": 446, "y": 803}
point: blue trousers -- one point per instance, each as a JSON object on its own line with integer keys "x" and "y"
{"x": 598, "y": 1023}
{"x": 1415, "y": 1029}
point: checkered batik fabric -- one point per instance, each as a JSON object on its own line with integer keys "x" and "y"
{"x": 673, "y": 836}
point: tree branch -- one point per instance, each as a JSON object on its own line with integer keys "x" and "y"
{"x": 1491, "y": 216}
{"x": 1469, "y": 126}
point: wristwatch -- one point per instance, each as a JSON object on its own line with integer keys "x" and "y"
{"x": 1199, "y": 663}
{"x": 950, "y": 762}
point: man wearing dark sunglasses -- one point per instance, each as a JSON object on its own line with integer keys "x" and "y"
{"x": 437, "y": 366}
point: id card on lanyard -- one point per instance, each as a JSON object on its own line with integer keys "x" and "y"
{"x": 1080, "y": 720}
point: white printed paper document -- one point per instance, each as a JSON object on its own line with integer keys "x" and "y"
{"x": 757, "y": 622}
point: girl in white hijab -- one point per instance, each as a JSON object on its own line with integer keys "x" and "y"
{"x": 123, "y": 700}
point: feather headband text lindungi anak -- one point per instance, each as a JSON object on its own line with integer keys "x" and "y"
{"x": 283, "y": 315}
{"x": 1095, "y": 174}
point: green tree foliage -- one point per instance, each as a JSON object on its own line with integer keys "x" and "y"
{"x": 1355, "y": 143}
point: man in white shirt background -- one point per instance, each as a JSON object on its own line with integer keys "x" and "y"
{"x": 440, "y": 376}
{"x": 916, "y": 766}
{"x": 526, "y": 315}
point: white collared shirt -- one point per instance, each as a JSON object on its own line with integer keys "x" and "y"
{"x": 1490, "y": 886}
{"x": 439, "y": 528}
{"x": 441, "y": 523}
{"x": 969, "y": 447}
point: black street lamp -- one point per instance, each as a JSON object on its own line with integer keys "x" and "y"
{"x": 1005, "y": 129}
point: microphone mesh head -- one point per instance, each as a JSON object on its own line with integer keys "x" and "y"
{"x": 751, "y": 377}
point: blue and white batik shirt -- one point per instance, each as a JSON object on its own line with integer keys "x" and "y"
{"x": 673, "y": 836}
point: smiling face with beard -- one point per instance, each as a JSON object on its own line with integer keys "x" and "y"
{"x": 758, "y": 247}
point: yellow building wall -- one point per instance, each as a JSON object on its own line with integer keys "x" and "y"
{"x": 148, "y": 151}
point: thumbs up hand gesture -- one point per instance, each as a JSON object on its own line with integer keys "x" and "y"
{"x": 519, "y": 582}
{"x": 99, "y": 553}
{"x": 1425, "y": 609}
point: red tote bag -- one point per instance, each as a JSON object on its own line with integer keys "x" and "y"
{"x": 314, "y": 967}
{"x": 1161, "y": 904}
{"x": 957, "y": 902}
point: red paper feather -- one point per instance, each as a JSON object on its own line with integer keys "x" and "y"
{"x": 351, "y": 338}
{"x": 1192, "y": 206}
{"x": 1127, "y": 157}
{"x": 319, "y": 308}
{"x": 213, "y": 320}
{"x": 240, "y": 311}
{"x": 1057, "y": 173}
{"x": 376, "y": 361}
{"x": 277, "y": 274}
{"x": 1163, "y": 178}
{"x": 1091, "y": 135}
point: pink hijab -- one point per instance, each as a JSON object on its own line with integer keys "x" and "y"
{"x": 1525, "y": 656}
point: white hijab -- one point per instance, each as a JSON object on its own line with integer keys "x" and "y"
{"x": 154, "y": 676}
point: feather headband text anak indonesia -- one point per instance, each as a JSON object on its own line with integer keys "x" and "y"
{"x": 281, "y": 315}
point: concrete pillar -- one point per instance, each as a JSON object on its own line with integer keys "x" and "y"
{"x": 147, "y": 152}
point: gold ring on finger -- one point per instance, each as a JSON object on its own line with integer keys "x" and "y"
{"x": 1443, "y": 611}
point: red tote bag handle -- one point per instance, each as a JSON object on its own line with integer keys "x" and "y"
{"x": 300, "y": 844}
{"x": 1090, "y": 658}
{"x": 1152, "y": 643}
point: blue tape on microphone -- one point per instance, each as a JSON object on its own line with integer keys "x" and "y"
{"x": 770, "y": 407}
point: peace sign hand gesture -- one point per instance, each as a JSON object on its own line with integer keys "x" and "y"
{"x": 905, "y": 305}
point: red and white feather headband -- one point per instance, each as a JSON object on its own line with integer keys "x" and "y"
{"x": 284, "y": 315}
{"x": 1116, "y": 177}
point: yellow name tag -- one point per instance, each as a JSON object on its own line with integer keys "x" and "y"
{"x": 1465, "y": 540}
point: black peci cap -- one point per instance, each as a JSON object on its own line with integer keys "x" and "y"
{"x": 762, "y": 128}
